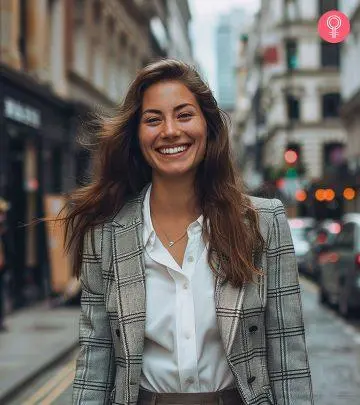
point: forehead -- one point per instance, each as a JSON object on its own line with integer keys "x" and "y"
{"x": 167, "y": 93}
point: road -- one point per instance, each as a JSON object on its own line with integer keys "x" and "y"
{"x": 334, "y": 352}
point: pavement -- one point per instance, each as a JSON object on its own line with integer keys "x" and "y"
{"x": 36, "y": 338}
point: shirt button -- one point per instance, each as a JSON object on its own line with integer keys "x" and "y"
{"x": 188, "y": 335}
{"x": 186, "y": 286}
{"x": 190, "y": 259}
{"x": 190, "y": 380}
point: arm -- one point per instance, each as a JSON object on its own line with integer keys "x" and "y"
{"x": 95, "y": 367}
{"x": 285, "y": 337}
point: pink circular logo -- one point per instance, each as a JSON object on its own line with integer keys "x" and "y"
{"x": 334, "y": 26}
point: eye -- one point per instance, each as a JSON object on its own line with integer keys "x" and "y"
{"x": 152, "y": 120}
{"x": 185, "y": 115}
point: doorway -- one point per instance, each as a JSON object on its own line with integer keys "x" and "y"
{"x": 16, "y": 219}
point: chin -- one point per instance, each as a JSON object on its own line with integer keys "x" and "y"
{"x": 174, "y": 173}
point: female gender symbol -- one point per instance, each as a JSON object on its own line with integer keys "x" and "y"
{"x": 333, "y": 26}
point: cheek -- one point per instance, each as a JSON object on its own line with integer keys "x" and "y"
{"x": 147, "y": 136}
{"x": 144, "y": 140}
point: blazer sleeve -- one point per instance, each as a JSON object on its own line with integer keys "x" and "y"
{"x": 287, "y": 358}
{"x": 95, "y": 367}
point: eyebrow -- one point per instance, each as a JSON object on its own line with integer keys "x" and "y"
{"x": 178, "y": 107}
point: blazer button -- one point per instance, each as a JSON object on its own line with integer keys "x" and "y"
{"x": 117, "y": 332}
{"x": 251, "y": 379}
{"x": 253, "y": 328}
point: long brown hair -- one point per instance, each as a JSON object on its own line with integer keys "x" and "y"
{"x": 120, "y": 172}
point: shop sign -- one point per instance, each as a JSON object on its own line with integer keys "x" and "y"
{"x": 21, "y": 113}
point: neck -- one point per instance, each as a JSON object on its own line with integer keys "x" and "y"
{"x": 174, "y": 198}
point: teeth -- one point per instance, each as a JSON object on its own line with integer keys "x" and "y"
{"x": 170, "y": 151}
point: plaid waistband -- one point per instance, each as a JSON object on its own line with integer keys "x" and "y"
{"x": 224, "y": 396}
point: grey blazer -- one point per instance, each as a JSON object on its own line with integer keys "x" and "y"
{"x": 261, "y": 324}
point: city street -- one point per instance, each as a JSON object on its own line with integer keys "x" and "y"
{"x": 210, "y": 102}
{"x": 334, "y": 349}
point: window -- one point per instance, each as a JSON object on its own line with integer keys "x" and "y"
{"x": 291, "y": 54}
{"x": 346, "y": 237}
{"x": 327, "y": 5}
{"x": 291, "y": 8}
{"x": 330, "y": 105}
{"x": 330, "y": 54}
{"x": 333, "y": 158}
{"x": 293, "y": 108}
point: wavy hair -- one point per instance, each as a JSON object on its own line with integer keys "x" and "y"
{"x": 120, "y": 172}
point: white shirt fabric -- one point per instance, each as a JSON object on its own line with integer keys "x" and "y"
{"x": 183, "y": 350}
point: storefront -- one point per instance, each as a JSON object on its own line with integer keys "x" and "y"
{"x": 36, "y": 161}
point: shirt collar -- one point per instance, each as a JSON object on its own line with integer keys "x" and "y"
{"x": 148, "y": 230}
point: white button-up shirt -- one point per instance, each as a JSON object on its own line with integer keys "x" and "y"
{"x": 183, "y": 349}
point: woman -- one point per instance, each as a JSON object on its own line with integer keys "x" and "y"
{"x": 190, "y": 287}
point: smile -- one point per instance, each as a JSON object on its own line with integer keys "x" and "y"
{"x": 177, "y": 150}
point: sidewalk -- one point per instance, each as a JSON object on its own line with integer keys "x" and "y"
{"x": 36, "y": 338}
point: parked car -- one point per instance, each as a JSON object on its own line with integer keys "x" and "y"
{"x": 339, "y": 281}
{"x": 300, "y": 229}
{"x": 319, "y": 238}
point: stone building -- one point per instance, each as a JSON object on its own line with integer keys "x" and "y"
{"x": 350, "y": 89}
{"x": 178, "y": 22}
{"x": 61, "y": 60}
{"x": 295, "y": 90}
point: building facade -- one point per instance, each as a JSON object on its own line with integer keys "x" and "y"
{"x": 61, "y": 60}
{"x": 296, "y": 93}
{"x": 228, "y": 31}
{"x": 350, "y": 87}
{"x": 179, "y": 20}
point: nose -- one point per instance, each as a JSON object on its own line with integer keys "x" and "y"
{"x": 170, "y": 128}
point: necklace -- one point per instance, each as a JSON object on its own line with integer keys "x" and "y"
{"x": 171, "y": 242}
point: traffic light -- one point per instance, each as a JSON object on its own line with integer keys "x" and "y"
{"x": 291, "y": 156}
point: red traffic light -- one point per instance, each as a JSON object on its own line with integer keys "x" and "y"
{"x": 291, "y": 156}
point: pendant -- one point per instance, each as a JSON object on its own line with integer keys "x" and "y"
{"x": 171, "y": 243}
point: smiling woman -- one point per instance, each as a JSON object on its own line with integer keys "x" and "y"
{"x": 183, "y": 302}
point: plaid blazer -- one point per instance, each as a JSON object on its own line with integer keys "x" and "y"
{"x": 261, "y": 324}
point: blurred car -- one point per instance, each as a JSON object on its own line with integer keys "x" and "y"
{"x": 339, "y": 281}
{"x": 319, "y": 238}
{"x": 300, "y": 228}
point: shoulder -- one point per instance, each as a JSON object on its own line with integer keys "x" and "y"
{"x": 267, "y": 209}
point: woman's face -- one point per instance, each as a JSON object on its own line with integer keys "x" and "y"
{"x": 172, "y": 130}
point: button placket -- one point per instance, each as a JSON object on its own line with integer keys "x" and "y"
{"x": 187, "y": 340}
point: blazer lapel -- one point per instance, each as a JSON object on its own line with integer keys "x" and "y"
{"x": 129, "y": 269}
